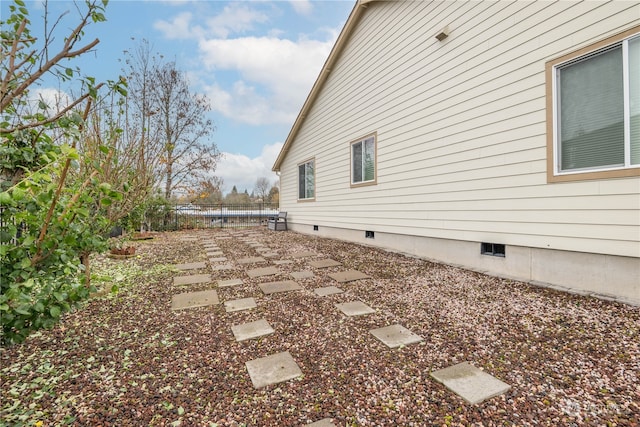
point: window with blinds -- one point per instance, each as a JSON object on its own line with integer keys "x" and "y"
{"x": 597, "y": 109}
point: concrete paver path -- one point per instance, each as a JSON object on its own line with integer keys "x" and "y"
{"x": 298, "y": 275}
{"x": 251, "y": 330}
{"x": 348, "y": 276}
{"x": 470, "y": 383}
{"x": 328, "y": 290}
{"x": 395, "y": 336}
{"x": 192, "y": 279}
{"x": 355, "y": 308}
{"x": 229, "y": 282}
{"x": 282, "y": 286}
{"x": 265, "y": 271}
{"x": 194, "y": 299}
{"x": 324, "y": 263}
{"x": 273, "y": 369}
{"x": 240, "y": 304}
{"x": 191, "y": 265}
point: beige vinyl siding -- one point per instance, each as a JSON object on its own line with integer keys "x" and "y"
{"x": 461, "y": 125}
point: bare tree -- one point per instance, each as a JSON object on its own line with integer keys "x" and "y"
{"x": 140, "y": 133}
{"x": 261, "y": 188}
{"x": 208, "y": 191}
{"x": 274, "y": 194}
{"x": 187, "y": 156}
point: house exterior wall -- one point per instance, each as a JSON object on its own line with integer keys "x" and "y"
{"x": 461, "y": 140}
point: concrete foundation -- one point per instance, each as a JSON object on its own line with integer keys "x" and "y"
{"x": 599, "y": 275}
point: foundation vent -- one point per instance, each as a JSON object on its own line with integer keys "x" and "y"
{"x": 492, "y": 249}
{"x": 369, "y": 234}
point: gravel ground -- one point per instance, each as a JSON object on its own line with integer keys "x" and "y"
{"x": 126, "y": 359}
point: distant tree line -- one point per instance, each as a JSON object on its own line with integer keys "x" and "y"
{"x": 210, "y": 191}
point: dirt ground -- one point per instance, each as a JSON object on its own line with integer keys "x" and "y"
{"x": 126, "y": 359}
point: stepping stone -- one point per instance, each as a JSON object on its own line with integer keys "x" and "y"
{"x": 251, "y": 260}
{"x": 194, "y": 299}
{"x": 303, "y": 254}
{"x": 214, "y": 254}
{"x": 302, "y": 275}
{"x": 325, "y": 422}
{"x": 395, "y": 336}
{"x": 191, "y": 265}
{"x": 270, "y": 254}
{"x": 261, "y": 249}
{"x": 283, "y": 286}
{"x": 247, "y": 331}
{"x": 193, "y": 279}
{"x": 223, "y": 267}
{"x": 348, "y": 276}
{"x": 328, "y": 290}
{"x": 324, "y": 263}
{"x": 273, "y": 369}
{"x": 218, "y": 259}
{"x": 230, "y": 282}
{"x": 265, "y": 271}
{"x": 355, "y": 308}
{"x": 470, "y": 383}
{"x": 240, "y": 304}
{"x": 282, "y": 261}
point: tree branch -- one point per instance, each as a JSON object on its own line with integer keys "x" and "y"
{"x": 50, "y": 119}
{"x": 56, "y": 197}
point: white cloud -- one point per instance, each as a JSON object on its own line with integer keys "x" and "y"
{"x": 242, "y": 171}
{"x": 277, "y": 75}
{"x": 303, "y": 7}
{"x": 244, "y": 104}
{"x": 179, "y": 28}
{"x": 254, "y": 80}
{"x": 235, "y": 18}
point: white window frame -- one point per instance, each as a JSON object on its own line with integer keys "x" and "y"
{"x": 313, "y": 169}
{"x": 352, "y": 144}
{"x": 554, "y": 172}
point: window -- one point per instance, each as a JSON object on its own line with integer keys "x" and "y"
{"x": 306, "y": 180}
{"x": 595, "y": 111}
{"x": 363, "y": 161}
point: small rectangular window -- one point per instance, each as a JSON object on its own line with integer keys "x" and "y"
{"x": 363, "y": 161}
{"x": 369, "y": 234}
{"x": 306, "y": 180}
{"x": 594, "y": 107}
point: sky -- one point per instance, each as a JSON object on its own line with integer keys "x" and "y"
{"x": 255, "y": 61}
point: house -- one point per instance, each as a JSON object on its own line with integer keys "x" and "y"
{"x": 499, "y": 136}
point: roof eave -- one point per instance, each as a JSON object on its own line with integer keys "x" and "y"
{"x": 345, "y": 34}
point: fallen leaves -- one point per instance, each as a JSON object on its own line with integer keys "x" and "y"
{"x": 126, "y": 359}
